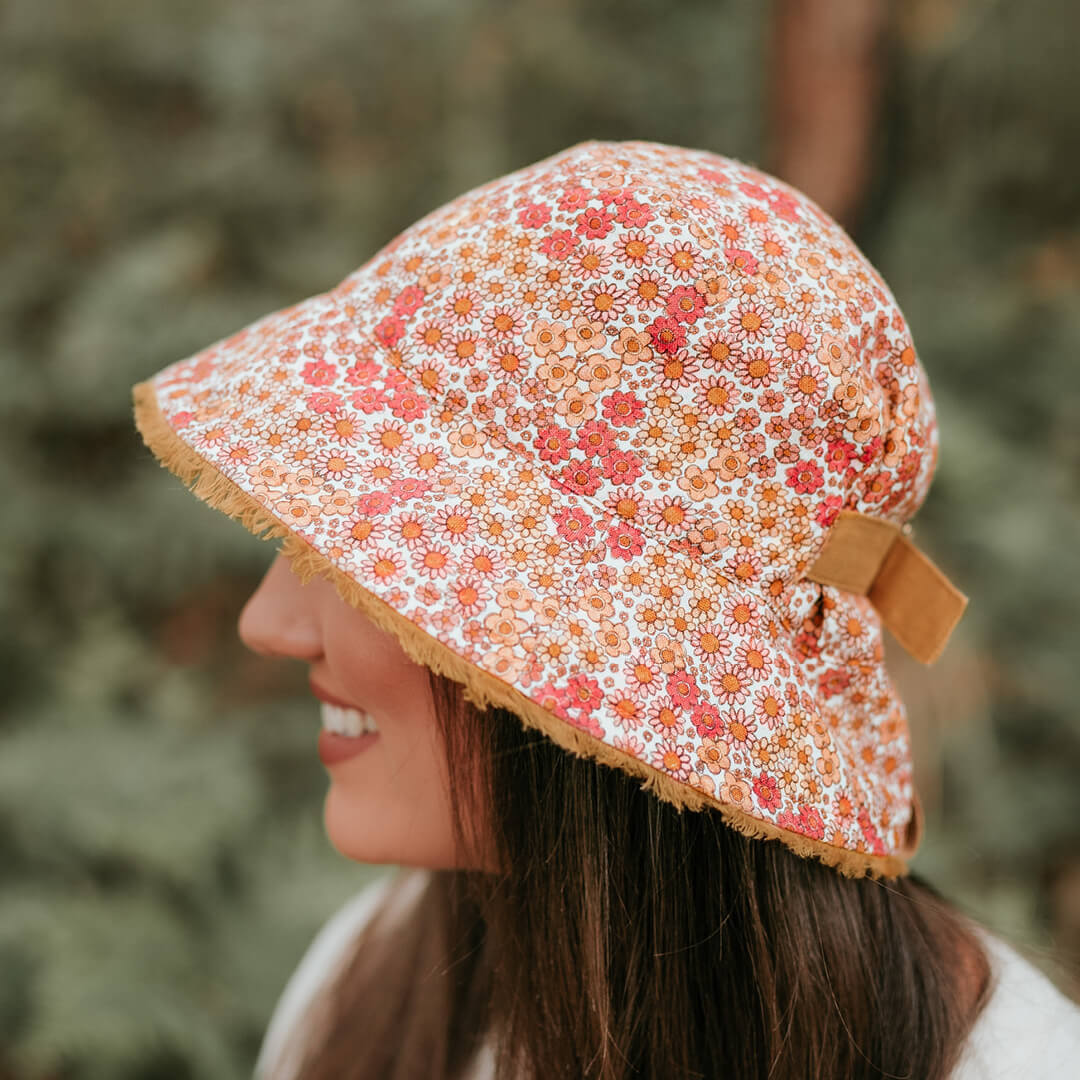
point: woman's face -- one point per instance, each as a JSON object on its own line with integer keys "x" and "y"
{"x": 389, "y": 803}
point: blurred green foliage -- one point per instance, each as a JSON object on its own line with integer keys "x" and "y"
{"x": 170, "y": 172}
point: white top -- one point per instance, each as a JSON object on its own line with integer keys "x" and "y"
{"x": 1028, "y": 1028}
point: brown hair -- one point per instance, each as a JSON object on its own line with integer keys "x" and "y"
{"x": 629, "y": 938}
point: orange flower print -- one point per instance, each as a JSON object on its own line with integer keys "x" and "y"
{"x": 713, "y": 754}
{"x": 467, "y": 441}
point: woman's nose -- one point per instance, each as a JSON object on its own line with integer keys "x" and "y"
{"x": 280, "y": 617}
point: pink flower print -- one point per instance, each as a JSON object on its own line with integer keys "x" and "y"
{"x": 594, "y": 223}
{"x": 730, "y": 687}
{"x": 686, "y": 304}
{"x": 750, "y": 322}
{"x": 784, "y": 205}
{"x": 373, "y": 503}
{"x": 833, "y": 681}
{"x": 794, "y": 339}
{"x": 580, "y": 478}
{"x": 534, "y": 215}
{"x": 554, "y": 442}
{"x": 470, "y": 595}
{"x": 805, "y": 478}
{"x": 390, "y": 331}
{"x": 870, "y": 834}
{"x": 810, "y": 823}
{"x": 592, "y": 261}
{"x": 408, "y": 301}
{"x": 828, "y": 510}
{"x": 752, "y": 660}
{"x": 574, "y": 525}
{"x": 768, "y": 706}
{"x": 385, "y": 565}
{"x": 634, "y": 249}
{"x": 741, "y": 260}
{"x": 676, "y": 371}
{"x": 648, "y": 289}
{"x": 463, "y": 306}
{"x": 603, "y": 302}
{"x": 671, "y": 756}
{"x": 767, "y": 792}
{"x": 323, "y": 401}
{"x": 408, "y": 405}
{"x": 583, "y": 693}
{"x": 319, "y": 373}
{"x": 595, "y": 438}
{"x": 573, "y": 198}
{"x": 456, "y": 524}
{"x": 334, "y": 464}
{"x": 838, "y": 455}
{"x": 622, "y": 408}
{"x": 684, "y": 261}
{"x": 757, "y": 368}
{"x": 635, "y": 215}
{"x": 631, "y": 744}
{"x": 362, "y": 372}
{"x": 560, "y": 245}
{"x": 682, "y": 690}
{"x": 369, "y": 400}
{"x": 876, "y": 486}
{"x": 718, "y": 351}
{"x": 434, "y": 560}
{"x": 710, "y": 642}
{"x": 739, "y": 614}
{"x": 502, "y": 322}
{"x": 806, "y": 383}
{"x": 750, "y": 190}
{"x": 622, "y": 466}
{"x": 707, "y": 720}
{"x": 625, "y": 541}
{"x": 410, "y": 530}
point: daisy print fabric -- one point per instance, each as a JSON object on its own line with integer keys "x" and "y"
{"x": 585, "y": 427}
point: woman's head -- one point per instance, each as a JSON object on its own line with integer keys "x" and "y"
{"x": 389, "y": 803}
{"x": 624, "y": 937}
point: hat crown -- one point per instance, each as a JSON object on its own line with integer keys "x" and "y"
{"x": 670, "y": 334}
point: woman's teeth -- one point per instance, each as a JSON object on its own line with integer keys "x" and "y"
{"x": 346, "y": 721}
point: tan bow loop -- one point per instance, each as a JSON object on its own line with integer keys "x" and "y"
{"x": 874, "y": 558}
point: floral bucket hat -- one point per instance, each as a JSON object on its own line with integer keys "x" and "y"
{"x": 626, "y": 441}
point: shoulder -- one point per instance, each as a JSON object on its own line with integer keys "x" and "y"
{"x": 1028, "y": 1027}
{"x": 327, "y": 950}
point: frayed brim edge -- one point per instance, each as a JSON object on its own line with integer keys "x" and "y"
{"x": 483, "y": 689}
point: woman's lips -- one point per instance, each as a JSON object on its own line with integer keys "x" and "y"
{"x": 334, "y": 748}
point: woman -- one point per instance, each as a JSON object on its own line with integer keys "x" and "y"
{"x": 593, "y": 487}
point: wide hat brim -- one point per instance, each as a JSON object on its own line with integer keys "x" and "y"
{"x": 489, "y": 572}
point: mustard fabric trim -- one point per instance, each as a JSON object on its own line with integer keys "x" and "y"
{"x": 481, "y": 688}
{"x": 875, "y": 558}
